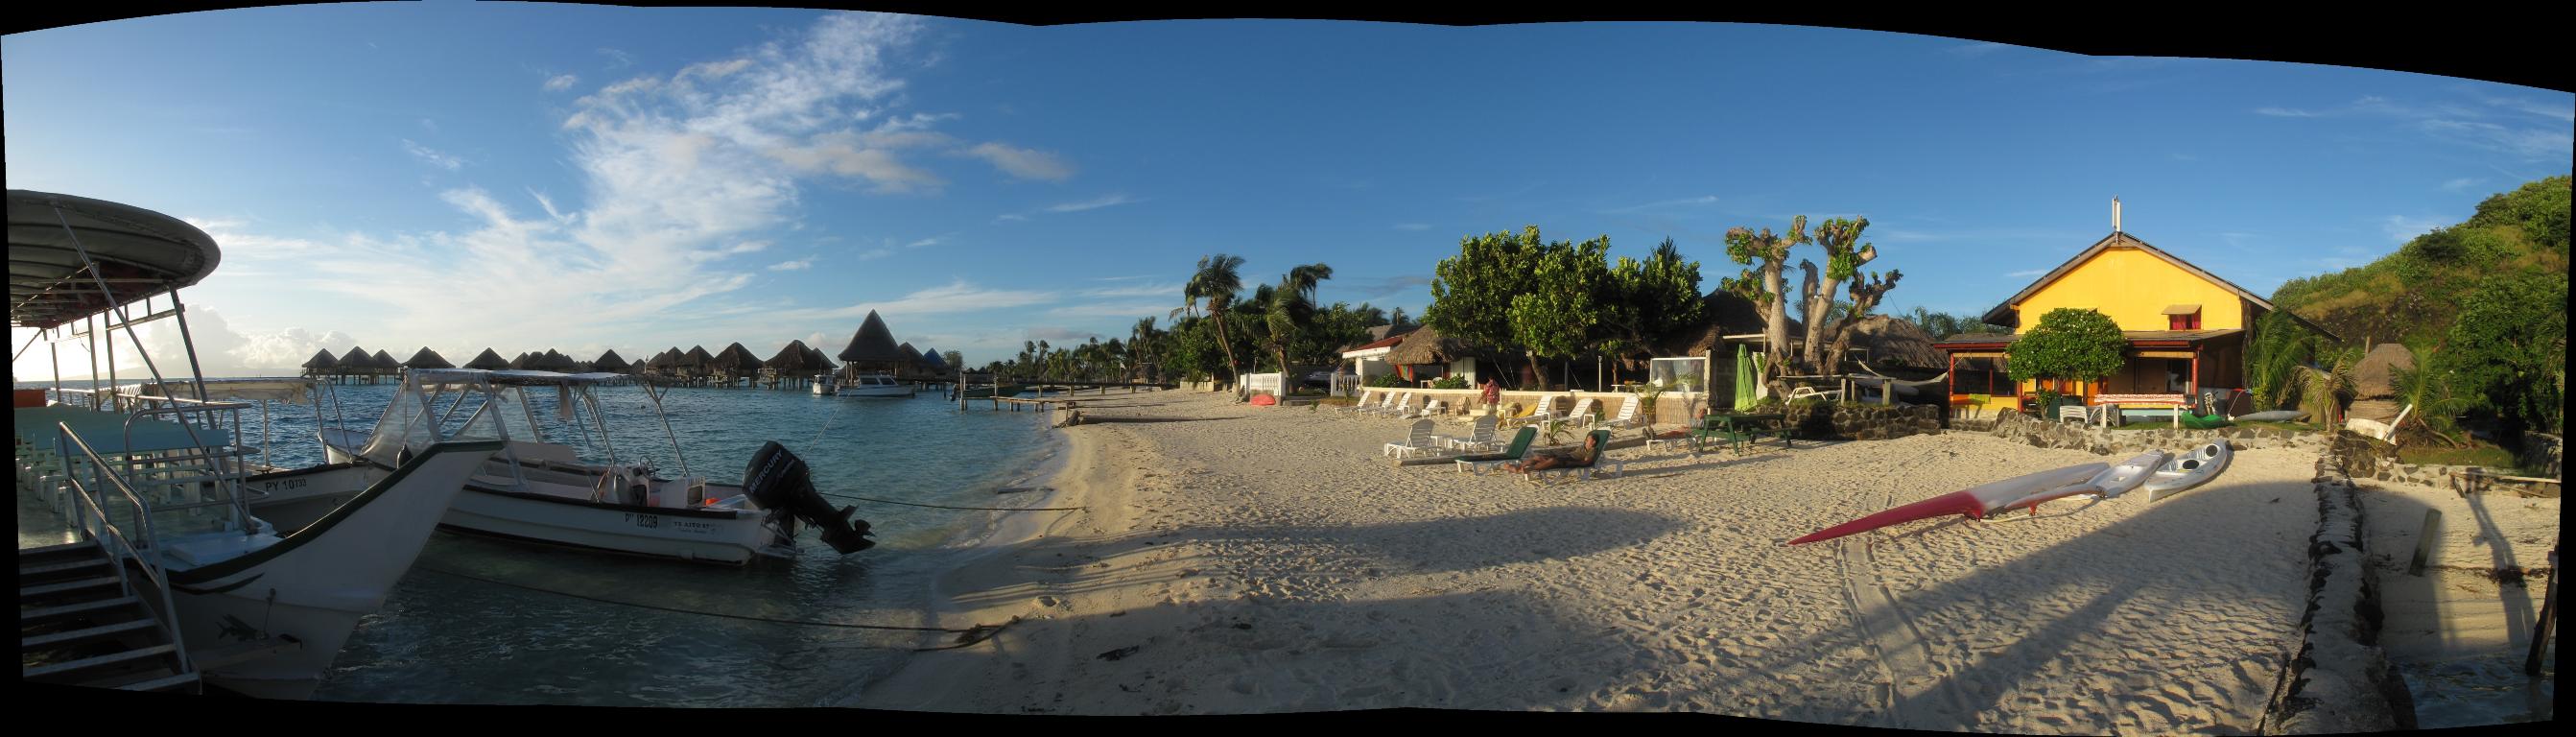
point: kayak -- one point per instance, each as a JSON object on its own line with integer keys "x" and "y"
{"x": 2204, "y": 422}
{"x": 2189, "y": 470}
{"x": 2109, "y": 483}
{"x": 2278, "y": 415}
{"x": 1975, "y": 502}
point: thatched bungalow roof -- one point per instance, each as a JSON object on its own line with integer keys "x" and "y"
{"x": 736, "y": 359}
{"x": 668, "y": 358}
{"x": 552, "y": 360}
{"x": 357, "y": 358}
{"x": 793, "y": 360}
{"x": 1425, "y": 345}
{"x": 931, "y": 356}
{"x": 821, "y": 362}
{"x": 609, "y": 362}
{"x": 321, "y": 360}
{"x": 911, "y": 357}
{"x": 427, "y": 358}
{"x": 487, "y": 360}
{"x": 697, "y": 358}
{"x": 2375, "y": 376}
{"x": 525, "y": 361}
{"x": 873, "y": 342}
{"x": 1897, "y": 342}
{"x": 384, "y": 360}
{"x": 1724, "y": 313}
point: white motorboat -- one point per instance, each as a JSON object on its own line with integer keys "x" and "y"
{"x": 866, "y": 385}
{"x": 168, "y": 580}
{"x": 543, "y": 491}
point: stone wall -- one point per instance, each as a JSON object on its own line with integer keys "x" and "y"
{"x": 2339, "y": 680}
{"x": 2021, "y": 428}
{"x": 2371, "y": 458}
{"x": 1838, "y": 421}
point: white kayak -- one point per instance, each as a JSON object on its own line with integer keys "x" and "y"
{"x": 2278, "y": 415}
{"x": 2190, "y": 470}
{"x": 2109, "y": 483}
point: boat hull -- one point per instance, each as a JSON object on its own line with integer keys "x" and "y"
{"x": 1974, "y": 502}
{"x": 2111, "y": 482}
{"x": 2190, "y": 470}
{"x": 729, "y": 537}
{"x": 313, "y": 585}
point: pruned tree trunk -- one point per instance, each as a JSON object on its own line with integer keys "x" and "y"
{"x": 1866, "y": 294}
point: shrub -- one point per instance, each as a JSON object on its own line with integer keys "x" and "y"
{"x": 1386, "y": 381}
{"x": 1450, "y": 382}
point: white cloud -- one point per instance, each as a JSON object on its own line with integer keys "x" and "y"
{"x": 927, "y": 242}
{"x": 2282, "y": 112}
{"x": 1412, "y": 226}
{"x": 1700, "y": 200}
{"x": 796, "y": 265}
{"x": 1148, "y": 290}
{"x": 432, "y": 157}
{"x": 1022, "y": 162}
{"x": 2462, "y": 183}
{"x": 1122, "y": 310}
{"x": 617, "y": 59}
{"x": 2401, "y": 228}
{"x": 957, "y": 296}
{"x": 561, "y": 82}
{"x": 1977, "y": 49}
{"x": 2027, "y": 274}
{"x": 875, "y": 253}
{"x": 1014, "y": 217}
{"x": 1093, "y": 204}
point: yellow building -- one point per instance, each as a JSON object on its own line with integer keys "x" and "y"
{"x": 2187, "y": 328}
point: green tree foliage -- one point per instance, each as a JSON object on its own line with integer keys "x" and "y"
{"x": 1560, "y": 316}
{"x": 2428, "y": 388}
{"x": 1471, "y": 293}
{"x": 1763, "y": 283}
{"x": 2068, "y": 343}
{"x": 1646, "y": 300}
{"x": 1843, "y": 260}
{"x": 2273, "y": 355}
{"x": 1945, "y": 325}
{"x": 2414, "y": 295}
{"x": 2508, "y": 349}
{"x": 1216, "y": 283}
{"x": 1291, "y": 312}
{"x": 2325, "y": 386}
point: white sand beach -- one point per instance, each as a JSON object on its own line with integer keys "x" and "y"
{"x": 1237, "y": 559}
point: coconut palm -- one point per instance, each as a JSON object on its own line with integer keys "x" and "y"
{"x": 2427, "y": 387}
{"x": 1217, "y": 282}
{"x": 2324, "y": 384}
{"x": 1292, "y": 306}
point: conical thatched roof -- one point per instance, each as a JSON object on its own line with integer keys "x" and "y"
{"x": 487, "y": 360}
{"x": 668, "y": 358}
{"x": 551, "y": 360}
{"x": 696, "y": 358}
{"x": 793, "y": 359}
{"x": 357, "y": 358}
{"x": 1425, "y": 345}
{"x": 609, "y": 362}
{"x": 2375, "y": 376}
{"x": 427, "y": 358}
{"x": 1893, "y": 341}
{"x": 1724, "y": 313}
{"x": 321, "y": 360}
{"x": 822, "y": 362}
{"x": 931, "y": 356}
{"x": 525, "y": 361}
{"x": 384, "y": 360}
{"x": 735, "y": 358}
{"x": 873, "y": 342}
{"x": 911, "y": 357}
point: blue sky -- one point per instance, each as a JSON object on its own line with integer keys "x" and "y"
{"x": 524, "y": 177}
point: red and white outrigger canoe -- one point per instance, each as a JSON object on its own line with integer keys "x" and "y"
{"x": 1975, "y": 502}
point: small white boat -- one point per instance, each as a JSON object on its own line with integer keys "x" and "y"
{"x": 168, "y": 572}
{"x": 2190, "y": 470}
{"x": 2111, "y": 482}
{"x": 542, "y": 491}
{"x": 867, "y": 385}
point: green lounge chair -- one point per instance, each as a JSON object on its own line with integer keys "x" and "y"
{"x": 1583, "y": 470}
{"x": 1520, "y": 446}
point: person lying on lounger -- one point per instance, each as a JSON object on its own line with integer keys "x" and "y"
{"x": 1547, "y": 459}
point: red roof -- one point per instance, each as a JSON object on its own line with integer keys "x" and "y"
{"x": 1389, "y": 341}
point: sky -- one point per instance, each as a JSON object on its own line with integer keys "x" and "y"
{"x": 527, "y": 176}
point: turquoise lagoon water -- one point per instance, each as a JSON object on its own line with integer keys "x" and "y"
{"x": 508, "y": 639}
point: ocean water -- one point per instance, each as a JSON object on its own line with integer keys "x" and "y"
{"x": 500, "y": 622}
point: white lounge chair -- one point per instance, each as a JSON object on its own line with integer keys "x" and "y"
{"x": 1627, "y": 416}
{"x": 1363, "y": 404}
{"x": 1480, "y": 436}
{"x": 1546, "y": 411}
{"x": 1434, "y": 409}
{"x": 1396, "y": 404}
{"x": 1581, "y": 415}
{"x": 1420, "y": 441}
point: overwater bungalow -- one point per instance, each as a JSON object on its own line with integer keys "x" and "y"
{"x": 795, "y": 365}
{"x": 734, "y": 365}
{"x": 322, "y": 364}
{"x": 912, "y": 368}
{"x": 428, "y": 359}
{"x": 872, "y": 349}
{"x": 487, "y": 361}
{"x": 2186, "y": 328}
{"x": 609, "y": 362}
{"x": 355, "y": 365}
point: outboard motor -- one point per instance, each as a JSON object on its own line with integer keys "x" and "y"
{"x": 777, "y": 480}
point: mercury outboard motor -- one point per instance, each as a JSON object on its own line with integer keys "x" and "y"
{"x": 778, "y": 481}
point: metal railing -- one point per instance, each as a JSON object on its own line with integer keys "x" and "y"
{"x": 95, "y": 524}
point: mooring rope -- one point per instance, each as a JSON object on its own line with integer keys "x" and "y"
{"x": 965, "y": 637}
{"x": 943, "y": 506}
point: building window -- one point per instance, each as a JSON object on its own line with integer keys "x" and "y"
{"x": 2189, "y": 321}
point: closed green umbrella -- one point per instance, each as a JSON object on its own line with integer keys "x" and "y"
{"x": 1744, "y": 379}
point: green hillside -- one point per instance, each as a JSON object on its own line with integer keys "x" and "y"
{"x": 2415, "y": 294}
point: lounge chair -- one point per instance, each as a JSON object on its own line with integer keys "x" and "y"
{"x": 1600, "y": 460}
{"x": 1434, "y": 409}
{"x": 1363, "y": 403}
{"x": 1420, "y": 441}
{"x": 1519, "y": 447}
{"x": 1627, "y": 416}
{"x": 1396, "y": 404}
{"x": 1479, "y": 437}
{"x": 1581, "y": 415}
{"x": 1544, "y": 411}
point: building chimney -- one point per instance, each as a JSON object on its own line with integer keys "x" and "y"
{"x": 2115, "y": 214}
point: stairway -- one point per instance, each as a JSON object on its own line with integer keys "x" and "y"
{"x": 79, "y": 623}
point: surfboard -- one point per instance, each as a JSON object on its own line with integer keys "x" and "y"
{"x": 1976, "y": 502}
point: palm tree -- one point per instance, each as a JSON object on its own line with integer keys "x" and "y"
{"x": 1217, "y": 282}
{"x": 2322, "y": 386}
{"x": 1292, "y": 306}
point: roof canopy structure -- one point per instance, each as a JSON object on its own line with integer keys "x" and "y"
{"x": 140, "y": 253}
{"x": 427, "y": 358}
{"x": 873, "y": 343}
{"x": 487, "y": 360}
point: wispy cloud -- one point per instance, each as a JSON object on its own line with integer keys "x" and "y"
{"x": 875, "y": 253}
{"x": 1368, "y": 288}
{"x": 2027, "y": 273}
{"x": 930, "y": 241}
{"x": 617, "y": 59}
{"x": 1057, "y": 334}
{"x": 1687, "y": 201}
{"x": 1129, "y": 309}
{"x": 1414, "y": 227}
{"x": 2283, "y": 112}
{"x": 1093, "y": 204}
{"x": 796, "y": 265}
{"x": 432, "y": 157}
{"x": 2464, "y": 124}
{"x": 1024, "y": 163}
{"x": 956, "y": 296}
{"x": 1976, "y": 49}
{"x": 1533, "y": 186}
{"x": 561, "y": 82}
{"x": 2401, "y": 228}
{"x": 2462, "y": 183}
{"x": 1142, "y": 290}
{"x": 1010, "y": 216}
